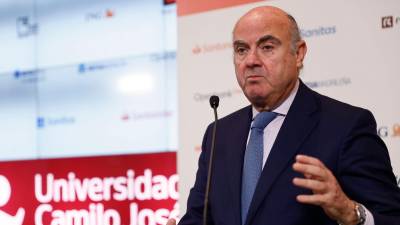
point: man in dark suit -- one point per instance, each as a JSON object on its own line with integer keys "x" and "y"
{"x": 321, "y": 160}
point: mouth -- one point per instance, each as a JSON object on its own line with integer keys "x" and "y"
{"x": 254, "y": 77}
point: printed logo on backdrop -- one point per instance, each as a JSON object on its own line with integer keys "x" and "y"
{"x": 126, "y": 187}
{"x": 167, "y": 55}
{"x": 389, "y": 21}
{"x": 318, "y": 31}
{"x": 201, "y": 97}
{"x": 334, "y": 82}
{"x": 391, "y": 131}
{"x": 43, "y": 122}
{"x": 94, "y": 67}
{"x": 107, "y": 190}
{"x": 25, "y": 27}
{"x": 134, "y": 116}
{"x": 5, "y": 194}
{"x": 211, "y": 47}
{"x": 28, "y": 76}
{"x": 100, "y": 15}
{"x": 222, "y": 46}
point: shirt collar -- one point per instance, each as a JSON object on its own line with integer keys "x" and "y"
{"x": 283, "y": 108}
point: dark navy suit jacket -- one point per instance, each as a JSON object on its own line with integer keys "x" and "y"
{"x": 342, "y": 136}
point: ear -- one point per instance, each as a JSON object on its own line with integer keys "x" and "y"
{"x": 300, "y": 53}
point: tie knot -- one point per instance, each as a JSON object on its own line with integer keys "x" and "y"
{"x": 263, "y": 119}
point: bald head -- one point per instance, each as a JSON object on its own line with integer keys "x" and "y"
{"x": 263, "y": 14}
{"x": 268, "y": 55}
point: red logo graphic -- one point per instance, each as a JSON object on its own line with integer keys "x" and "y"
{"x": 396, "y": 130}
{"x": 196, "y": 50}
{"x": 387, "y": 131}
{"x": 100, "y": 15}
{"x": 210, "y": 48}
{"x": 5, "y": 194}
{"x": 125, "y": 117}
{"x": 167, "y": 2}
{"x": 109, "y": 13}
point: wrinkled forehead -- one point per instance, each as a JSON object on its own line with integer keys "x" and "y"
{"x": 254, "y": 25}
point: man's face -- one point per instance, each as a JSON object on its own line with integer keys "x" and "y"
{"x": 266, "y": 66}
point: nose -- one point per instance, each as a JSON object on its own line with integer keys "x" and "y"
{"x": 253, "y": 59}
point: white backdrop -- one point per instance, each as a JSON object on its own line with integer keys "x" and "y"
{"x": 353, "y": 49}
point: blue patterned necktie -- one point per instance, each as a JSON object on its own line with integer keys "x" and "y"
{"x": 253, "y": 159}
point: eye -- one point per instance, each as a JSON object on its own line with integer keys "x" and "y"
{"x": 240, "y": 50}
{"x": 267, "y": 48}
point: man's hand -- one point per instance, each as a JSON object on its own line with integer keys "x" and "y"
{"x": 327, "y": 192}
{"x": 171, "y": 222}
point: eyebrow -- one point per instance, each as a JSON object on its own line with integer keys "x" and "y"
{"x": 239, "y": 42}
{"x": 260, "y": 40}
{"x": 268, "y": 38}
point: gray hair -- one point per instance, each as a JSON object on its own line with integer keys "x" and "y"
{"x": 294, "y": 32}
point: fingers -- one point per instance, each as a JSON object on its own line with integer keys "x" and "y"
{"x": 311, "y": 168}
{"x": 171, "y": 222}
{"x": 309, "y": 160}
{"x": 310, "y": 171}
{"x": 326, "y": 191}
{"x": 311, "y": 199}
{"x": 317, "y": 178}
{"x": 315, "y": 185}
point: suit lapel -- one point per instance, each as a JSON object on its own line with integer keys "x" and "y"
{"x": 299, "y": 122}
{"x": 235, "y": 147}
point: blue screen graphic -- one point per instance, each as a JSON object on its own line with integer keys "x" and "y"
{"x": 82, "y": 78}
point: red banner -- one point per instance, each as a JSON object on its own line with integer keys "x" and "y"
{"x": 105, "y": 190}
{"x": 167, "y": 2}
{"x": 186, "y": 7}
